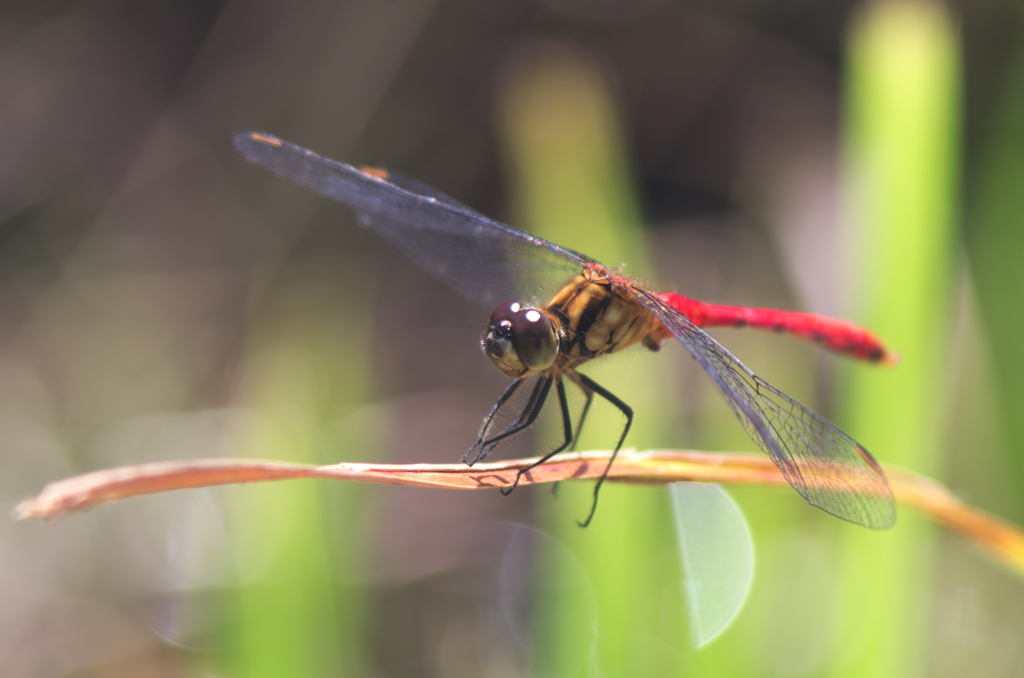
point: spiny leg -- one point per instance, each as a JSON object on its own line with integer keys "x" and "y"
{"x": 509, "y": 392}
{"x": 566, "y": 431}
{"x": 589, "y": 396}
{"x": 533, "y": 407}
{"x": 588, "y": 393}
{"x": 626, "y": 410}
{"x": 518, "y": 423}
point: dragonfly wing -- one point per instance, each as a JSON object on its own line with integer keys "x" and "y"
{"x": 827, "y": 467}
{"x": 483, "y": 259}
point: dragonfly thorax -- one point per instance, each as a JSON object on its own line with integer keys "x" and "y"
{"x": 520, "y": 340}
{"x": 598, "y": 315}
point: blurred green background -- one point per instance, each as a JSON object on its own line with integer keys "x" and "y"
{"x": 162, "y": 299}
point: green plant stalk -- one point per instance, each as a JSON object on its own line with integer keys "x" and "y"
{"x": 294, "y": 615}
{"x": 568, "y": 164}
{"x": 902, "y": 126}
{"x": 995, "y": 245}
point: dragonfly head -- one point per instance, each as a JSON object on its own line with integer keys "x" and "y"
{"x": 520, "y": 340}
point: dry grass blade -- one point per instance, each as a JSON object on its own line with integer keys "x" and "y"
{"x": 1001, "y": 539}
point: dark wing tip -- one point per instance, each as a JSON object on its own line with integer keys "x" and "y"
{"x": 246, "y": 142}
{"x": 862, "y": 497}
{"x": 884, "y": 515}
{"x": 376, "y": 172}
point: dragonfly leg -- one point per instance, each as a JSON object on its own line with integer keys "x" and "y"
{"x": 509, "y": 392}
{"x": 563, "y": 403}
{"x": 532, "y": 405}
{"x": 588, "y": 393}
{"x": 529, "y": 415}
{"x": 589, "y": 396}
{"x": 626, "y": 410}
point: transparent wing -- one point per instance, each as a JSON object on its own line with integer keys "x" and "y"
{"x": 826, "y": 466}
{"x": 483, "y": 259}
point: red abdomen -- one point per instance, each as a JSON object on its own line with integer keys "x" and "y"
{"x": 838, "y": 335}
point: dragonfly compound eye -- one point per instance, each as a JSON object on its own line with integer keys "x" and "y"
{"x": 533, "y": 335}
{"x": 520, "y": 340}
{"x": 505, "y": 312}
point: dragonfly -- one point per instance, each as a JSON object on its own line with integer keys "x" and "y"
{"x": 556, "y": 310}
